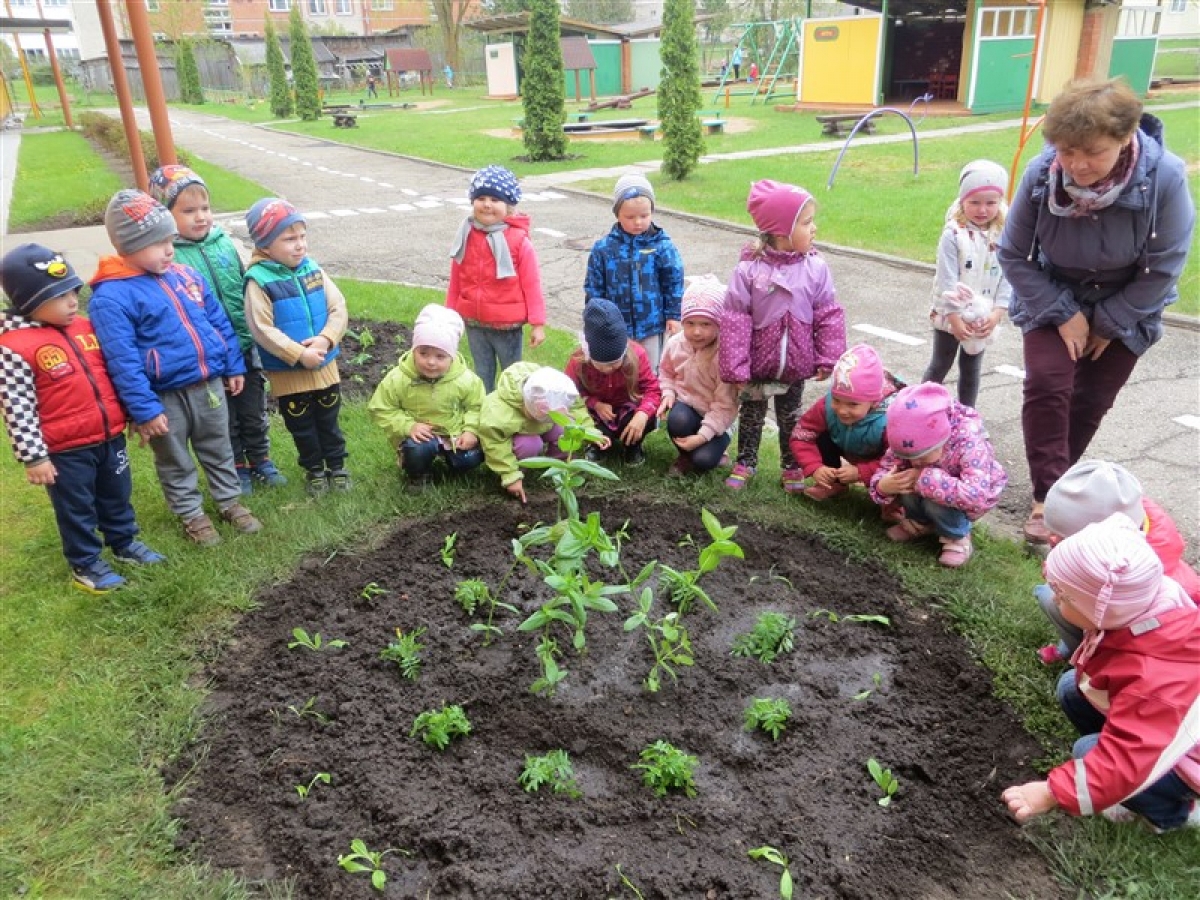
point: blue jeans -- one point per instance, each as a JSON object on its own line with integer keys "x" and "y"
{"x": 1166, "y": 803}
{"x": 493, "y": 350}
{"x": 91, "y": 492}
{"x": 946, "y": 520}
{"x": 683, "y": 421}
{"x": 418, "y": 457}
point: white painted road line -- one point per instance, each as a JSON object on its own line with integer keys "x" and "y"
{"x": 550, "y": 232}
{"x": 410, "y": 192}
{"x": 888, "y": 335}
{"x": 402, "y": 207}
{"x": 371, "y": 210}
{"x": 1188, "y": 421}
{"x": 316, "y": 215}
{"x": 343, "y": 212}
{"x": 1015, "y": 372}
{"x": 427, "y": 204}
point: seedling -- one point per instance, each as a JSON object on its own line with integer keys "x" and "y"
{"x": 554, "y": 769}
{"x": 405, "y": 652}
{"x": 305, "y": 789}
{"x": 567, "y": 475}
{"x": 771, "y": 576}
{"x": 668, "y": 639}
{"x": 360, "y": 859}
{"x": 769, "y": 715}
{"x": 877, "y": 680}
{"x": 852, "y": 617}
{"x": 666, "y": 768}
{"x": 629, "y": 884}
{"x": 447, "y": 551}
{"x": 771, "y": 855}
{"x": 309, "y": 711}
{"x": 366, "y": 341}
{"x": 547, "y": 651}
{"x": 438, "y": 728}
{"x": 469, "y": 593}
{"x": 682, "y": 588}
{"x": 371, "y": 591}
{"x": 774, "y": 633}
{"x": 885, "y": 779}
{"x": 313, "y": 641}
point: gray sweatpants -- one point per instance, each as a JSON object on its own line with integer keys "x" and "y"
{"x": 196, "y": 415}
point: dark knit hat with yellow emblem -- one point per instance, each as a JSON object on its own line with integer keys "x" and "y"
{"x": 32, "y": 274}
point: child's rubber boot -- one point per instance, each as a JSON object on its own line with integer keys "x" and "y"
{"x": 266, "y": 472}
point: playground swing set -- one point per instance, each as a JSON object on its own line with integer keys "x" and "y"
{"x": 774, "y": 49}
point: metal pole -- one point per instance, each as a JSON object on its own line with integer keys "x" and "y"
{"x": 156, "y": 101}
{"x": 121, "y": 86}
{"x": 58, "y": 80}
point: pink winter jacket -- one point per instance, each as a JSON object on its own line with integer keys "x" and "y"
{"x": 692, "y": 376}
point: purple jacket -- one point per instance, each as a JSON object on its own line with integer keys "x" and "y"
{"x": 967, "y": 477}
{"x": 782, "y": 320}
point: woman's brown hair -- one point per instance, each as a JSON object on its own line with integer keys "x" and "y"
{"x": 1088, "y": 109}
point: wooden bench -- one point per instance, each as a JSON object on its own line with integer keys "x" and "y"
{"x": 713, "y": 126}
{"x": 579, "y": 116}
{"x": 648, "y": 132}
{"x": 709, "y": 113}
{"x": 345, "y": 120}
{"x": 843, "y": 123}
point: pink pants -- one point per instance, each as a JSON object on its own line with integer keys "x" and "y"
{"x": 527, "y": 445}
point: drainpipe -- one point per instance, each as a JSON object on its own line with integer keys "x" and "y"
{"x": 116, "y": 64}
{"x": 1026, "y": 129}
{"x": 156, "y": 101}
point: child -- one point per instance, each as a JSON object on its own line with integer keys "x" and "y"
{"x": 495, "y": 284}
{"x": 1091, "y": 491}
{"x": 428, "y": 405}
{"x": 782, "y": 324}
{"x": 941, "y": 465}
{"x": 841, "y": 439}
{"x": 1133, "y": 694}
{"x": 210, "y": 251}
{"x": 637, "y": 267}
{"x": 63, "y": 417}
{"x": 298, "y": 316}
{"x": 515, "y": 420}
{"x": 615, "y": 379}
{"x": 698, "y": 405}
{"x": 169, "y": 345}
{"x": 970, "y": 294}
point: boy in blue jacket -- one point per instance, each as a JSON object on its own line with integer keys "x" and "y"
{"x": 171, "y": 353}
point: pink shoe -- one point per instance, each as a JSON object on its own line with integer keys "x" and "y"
{"x": 956, "y": 551}
{"x": 739, "y": 475}
{"x": 907, "y": 530}
{"x": 1050, "y": 655}
{"x": 793, "y": 480}
{"x": 892, "y": 512}
{"x": 820, "y": 492}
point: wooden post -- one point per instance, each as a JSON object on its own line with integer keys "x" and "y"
{"x": 121, "y": 86}
{"x": 156, "y": 101}
{"x": 58, "y": 81}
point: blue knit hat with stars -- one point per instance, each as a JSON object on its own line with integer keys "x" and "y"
{"x": 495, "y": 181}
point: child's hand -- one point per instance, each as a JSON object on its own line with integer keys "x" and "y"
{"x": 825, "y": 476}
{"x": 673, "y": 327}
{"x": 635, "y": 428}
{"x": 41, "y": 473}
{"x": 537, "y": 334}
{"x": 690, "y": 443}
{"x": 312, "y": 357}
{"x": 984, "y": 327}
{"x": 823, "y": 372}
{"x": 466, "y": 441}
{"x": 234, "y": 384}
{"x": 960, "y": 329}
{"x": 1025, "y": 801}
{"x": 668, "y": 401}
{"x": 156, "y": 427}
{"x": 421, "y": 431}
{"x": 517, "y": 489}
{"x": 604, "y": 411}
{"x": 847, "y": 473}
{"x": 898, "y": 482}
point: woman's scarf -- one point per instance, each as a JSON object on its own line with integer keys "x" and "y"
{"x": 495, "y": 239}
{"x": 1072, "y": 200}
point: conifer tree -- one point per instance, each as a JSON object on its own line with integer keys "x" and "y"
{"x": 281, "y": 94}
{"x": 304, "y": 68}
{"x": 542, "y": 91}
{"x": 679, "y": 91}
{"x": 188, "y": 73}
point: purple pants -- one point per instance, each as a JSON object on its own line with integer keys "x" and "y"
{"x": 528, "y": 445}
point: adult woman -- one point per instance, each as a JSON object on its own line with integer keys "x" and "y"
{"x": 1096, "y": 238}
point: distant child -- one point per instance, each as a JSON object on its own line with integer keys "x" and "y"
{"x": 172, "y": 355}
{"x": 1134, "y": 692}
{"x": 495, "y": 284}
{"x": 781, "y": 324}
{"x": 699, "y": 407}
{"x": 1091, "y": 491}
{"x": 941, "y": 466}
{"x": 637, "y": 267}
{"x": 372, "y": 88}
{"x": 842, "y": 437}
{"x": 63, "y": 416}
{"x": 298, "y": 316}
{"x": 428, "y": 405}
{"x": 615, "y": 379}
{"x": 970, "y": 294}
{"x": 206, "y": 247}
{"x": 515, "y": 422}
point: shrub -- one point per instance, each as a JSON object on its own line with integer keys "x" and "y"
{"x": 679, "y": 91}
{"x": 281, "y": 94}
{"x": 542, "y": 86}
{"x": 304, "y": 68}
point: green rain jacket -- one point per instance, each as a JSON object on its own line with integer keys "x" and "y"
{"x": 451, "y": 404}
{"x": 216, "y": 258}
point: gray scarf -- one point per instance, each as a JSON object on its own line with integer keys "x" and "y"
{"x": 495, "y": 238}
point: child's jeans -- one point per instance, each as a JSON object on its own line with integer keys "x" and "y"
{"x": 91, "y": 491}
{"x": 489, "y": 345}
{"x": 946, "y": 520}
{"x": 612, "y": 430}
{"x": 1166, "y": 803}
{"x": 312, "y": 419}
{"x": 945, "y": 346}
{"x": 752, "y": 418}
{"x": 417, "y": 457}
{"x": 526, "y": 446}
{"x": 248, "y": 424}
{"x": 1069, "y": 637}
{"x": 197, "y": 416}
{"x": 683, "y": 421}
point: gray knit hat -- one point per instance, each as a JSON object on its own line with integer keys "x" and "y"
{"x": 135, "y": 220}
{"x": 1091, "y": 491}
{"x": 631, "y": 186}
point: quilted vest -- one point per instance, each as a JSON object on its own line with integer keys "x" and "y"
{"x": 299, "y": 304}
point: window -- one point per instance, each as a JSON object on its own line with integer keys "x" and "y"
{"x": 280, "y": 5}
{"x": 54, "y": 2}
{"x": 1178, "y": 6}
{"x": 382, "y": 5}
{"x": 153, "y": 5}
{"x": 316, "y": 7}
{"x": 344, "y": 7}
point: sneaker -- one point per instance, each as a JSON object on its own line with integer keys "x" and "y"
{"x": 266, "y": 472}
{"x": 339, "y": 479}
{"x": 315, "y": 483}
{"x": 200, "y": 530}
{"x": 634, "y": 456}
{"x": 98, "y": 578}
{"x": 908, "y": 530}
{"x": 241, "y": 519}
{"x": 138, "y": 554}
{"x": 820, "y": 492}
{"x": 793, "y": 480}
{"x": 956, "y": 551}
{"x": 1050, "y": 655}
{"x": 246, "y": 482}
{"x": 738, "y": 476}
{"x": 680, "y": 467}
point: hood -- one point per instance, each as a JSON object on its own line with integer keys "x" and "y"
{"x": 519, "y": 221}
{"x": 114, "y": 268}
{"x": 458, "y": 365}
{"x": 511, "y": 381}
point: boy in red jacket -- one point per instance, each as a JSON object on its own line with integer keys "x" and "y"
{"x": 63, "y": 416}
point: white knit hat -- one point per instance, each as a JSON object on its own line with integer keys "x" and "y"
{"x": 548, "y": 390}
{"x": 438, "y": 326}
{"x": 982, "y": 175}
{"x": 631, "y": 186}
{"x": 1091, "y": 491}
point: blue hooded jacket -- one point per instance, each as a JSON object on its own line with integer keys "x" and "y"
{"x": 642, "y": 274}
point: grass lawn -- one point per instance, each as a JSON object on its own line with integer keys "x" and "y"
{"x": 97, "y": 694}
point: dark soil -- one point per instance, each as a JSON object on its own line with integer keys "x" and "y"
{"x": 364, "y": 360}
{"x": 468, "y": 829}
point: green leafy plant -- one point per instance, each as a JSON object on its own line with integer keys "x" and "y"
{"x": 304, "y": 68}
{"x": 552, "y": 769}
{"x": 774, "y": 633}
{"x": 851, "y": 617}
{"x": 469, "y": 593}
{"x": 361, "y": 859}
{"x": 668, "y": 639}
{"x": 769, "y": 715}
{"x": 771, "y": 855}
{"x": 567, "y": 475}
{"x": 547, "y": 654}
{"x": 309, "y": 711}
{"x": 877, "y": 680}
{"x": 405, "y": 652}
{"x": 281, "y": 94}
{"x": 679, "y": 90}
{"x": 372, "y": 590}
{"x": 305, "y": 789}
{"x": 575, "y": 594}
{"x": 683, "y": 588}
{"x": 666, "y": 768}
{"x": 438, "y": 727}
{"x": 885, "y": 780}
{"x": 313, "y": 642}
{"x": 542, "y": 91}
{"x": 447, "y": 551}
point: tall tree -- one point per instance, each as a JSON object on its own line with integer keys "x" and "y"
{"x": 450, "y": 15}
{"x": 304, "y": 68}
{"x": 504, "y": 7}
{"x": 188, "y": 73}
{"x": 542, "y": 91}
{"x": 281, "y": 93}
{"x": 679, "y": 91}
{"x": 601, "y": 12}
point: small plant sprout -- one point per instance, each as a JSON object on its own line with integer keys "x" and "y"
{"x": 438, "y": 728}
{"x": 668, "y": 639}
{"x": 629, "y": 884}
{"x": 773, "y": 634}
{"x": 360, "y": 859}
{"x": 851, "y": 617}
{"x": 547, "y": 653}
{"x": 469, "y": 593}
{"x": 305, "y": 789}
{"x": 771, "y": 855}
{"x": 366, "y": 341}
{"x": 447, "y": 551}
{"x": 885, "y": 779}
{"x": 309, "y": 711}
{"x": 302, "y": 638}
{"x": 683, "y": 588}
{"x": 666, "y": 768}
{"x": 877, "y": 680}
{"x": 769, "y": 715}
{"x": 371, "y": 591}
{"x": 405, "y": 652}
{"x": 567, "y": 475}
{"x": 553, "y": 770}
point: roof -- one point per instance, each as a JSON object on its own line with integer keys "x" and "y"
{"x": 408, "y": 59}
{"x": 516, "y": 23}
{"x": 254, "y": 52}
{"x": 12, "y": 25}
{"x": 577, "y": 54}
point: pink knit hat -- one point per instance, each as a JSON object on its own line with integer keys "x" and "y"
{"x": 704, "y": 298}
{"x": 858, "y": 375}
{"x": 918, "y": 420}
{"x": 439, "y": 327}
{"x": 775, "y": 206}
